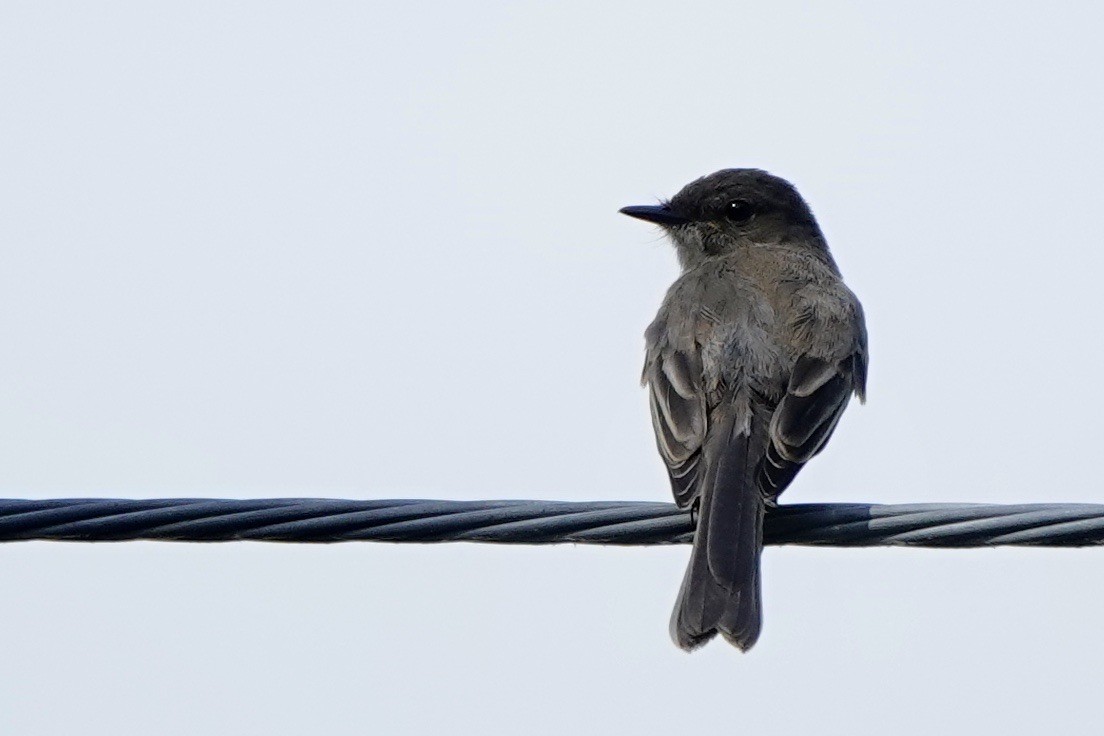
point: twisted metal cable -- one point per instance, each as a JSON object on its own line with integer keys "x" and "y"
{"x": 537, "y": 522}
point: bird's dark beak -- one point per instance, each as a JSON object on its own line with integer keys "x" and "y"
{"x": 660, "y": 214}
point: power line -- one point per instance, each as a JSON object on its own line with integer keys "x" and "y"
{"x": 537, "y": 522}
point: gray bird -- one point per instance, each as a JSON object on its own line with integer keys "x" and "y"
{"x": 750, "y": 363}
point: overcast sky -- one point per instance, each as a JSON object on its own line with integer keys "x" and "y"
{"x": 372, "y": 250}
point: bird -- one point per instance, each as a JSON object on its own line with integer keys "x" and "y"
{"x": 755, "y": 353}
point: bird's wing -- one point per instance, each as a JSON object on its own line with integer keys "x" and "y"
{"x": 817, "y": 394}
{"x": 679, "y": 417}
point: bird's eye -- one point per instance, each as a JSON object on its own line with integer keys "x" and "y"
{"x": 738, "y": 211}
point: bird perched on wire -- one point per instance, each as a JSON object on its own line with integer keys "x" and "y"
{"x": 750, "y": 363}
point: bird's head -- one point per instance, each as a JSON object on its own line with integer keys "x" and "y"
{"x": 732, "y": 208}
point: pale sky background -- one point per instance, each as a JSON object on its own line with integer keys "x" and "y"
{"x": 372, "y": 250}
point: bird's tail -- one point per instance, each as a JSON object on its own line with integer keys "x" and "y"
{"x": 720, "y": 592}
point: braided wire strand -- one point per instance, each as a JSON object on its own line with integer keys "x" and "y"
{"x": 537, "y": 522}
